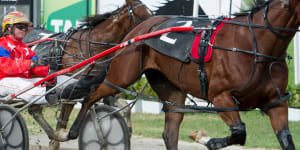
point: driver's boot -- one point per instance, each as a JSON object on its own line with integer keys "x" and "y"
{"x": 53, "y": 96}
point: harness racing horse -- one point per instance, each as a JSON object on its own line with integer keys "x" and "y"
{"x": 99, "y": 33}
{"x": 247, "y": 70}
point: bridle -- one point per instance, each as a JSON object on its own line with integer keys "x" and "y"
{"x": 131, "y": 9}
{"x": 272, "y": 29}
{"x": 271, "y": 59}
{"x": 251, "y": 27}
{"x": 267, "y": 26}
{"x": 133, "y": 17}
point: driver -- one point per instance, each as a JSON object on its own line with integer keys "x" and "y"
{"x": 18, "y": 63}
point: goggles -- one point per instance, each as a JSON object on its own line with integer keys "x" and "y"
{"x": 21, "y": 26}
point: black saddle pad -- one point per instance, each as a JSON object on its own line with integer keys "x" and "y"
{"x": 177, "y": 44}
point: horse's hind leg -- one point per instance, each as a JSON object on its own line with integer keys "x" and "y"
{"x": 36, "y": 112}
{"x": 62, "y": 123}
{"x": 172, "y": 124}
{"x": 232, "y": 119}
{"x": 167, "y": 91}
{"x": 279, "y": 120}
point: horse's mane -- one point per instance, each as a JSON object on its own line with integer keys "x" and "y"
{"x": 98, "y": 18}
{"x": 253, "y": 9}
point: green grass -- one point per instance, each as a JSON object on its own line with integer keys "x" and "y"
{"x": 259, "y": 131}
{"x": 50, "y": 114}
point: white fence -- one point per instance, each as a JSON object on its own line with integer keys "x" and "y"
{"x": 294, "y": 114}
{"x": 155, "y": 107}
{"x": 146, "y": 106}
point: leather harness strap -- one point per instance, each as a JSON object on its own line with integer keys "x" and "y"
{"x": 120, "y": 89}
{"x": 199, "y": 109}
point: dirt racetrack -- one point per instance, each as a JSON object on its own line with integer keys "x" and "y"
{"x": 137, "y": 143}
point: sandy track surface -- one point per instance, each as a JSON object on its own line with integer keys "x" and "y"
{"x": 40, "y": 142}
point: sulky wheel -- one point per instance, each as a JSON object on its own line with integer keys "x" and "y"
{"x": 15, "y": 135}
{"x": 109, "y": 133}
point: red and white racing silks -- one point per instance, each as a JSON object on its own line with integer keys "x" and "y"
{"x": 15, "y": 59}
{"x": 15, "y": 72}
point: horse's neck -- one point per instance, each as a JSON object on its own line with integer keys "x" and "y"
{"x": 111, "y": 32}
{"x": 276, "y": 17}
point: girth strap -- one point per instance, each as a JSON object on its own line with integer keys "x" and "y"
{"x": 195, "y": 108}
{"x": 120, "y": 89}
{"x": 203, "y": 45}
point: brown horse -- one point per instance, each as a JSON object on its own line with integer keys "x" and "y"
{"x": 101, "y": 32}
{"x": 247, "y": 69}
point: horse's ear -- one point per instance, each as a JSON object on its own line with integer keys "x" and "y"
{"x": 129, "y": 2}
{"x": 285, "y": 3}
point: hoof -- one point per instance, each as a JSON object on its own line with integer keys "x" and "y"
{"x": 200, "y": 137}
{"x": 62, "y": 135}
{"x": 216, "y": 143}
{"x": 72, "y": 135}
{"x": 53, "y": 145}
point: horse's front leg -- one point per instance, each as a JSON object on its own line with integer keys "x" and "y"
{"x": 279, "y": 120}
{"x": 87, "y": 103}
{"x": 74, "y": 131}
{"x": 232, "y": 119}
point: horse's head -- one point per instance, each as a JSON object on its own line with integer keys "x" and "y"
{"x": 294, "y": 5}
{"x": 106, "y": 29}
{"x": 138, "y": 11}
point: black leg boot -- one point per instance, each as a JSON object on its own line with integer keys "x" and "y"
{"x": 285, "y": 139}
{"x": 238, "y": 136}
